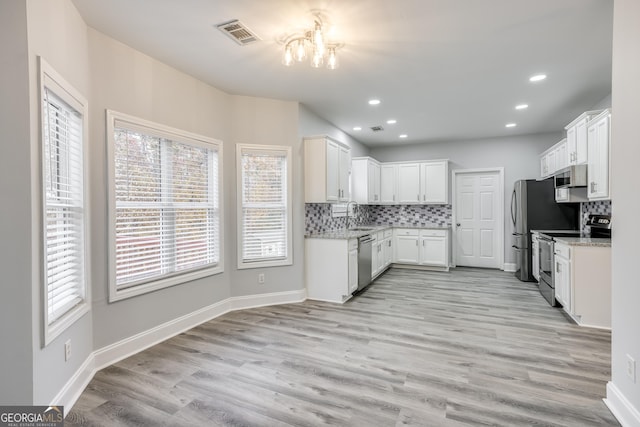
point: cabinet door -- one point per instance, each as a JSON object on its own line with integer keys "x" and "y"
{"x": 535, "y": 259}
{"x": 433, "y": 182}
{"x": 433, "y": 251}
{"x": 544, "y": 167}
{"x": 598, "y": 163}
{"x": 353, "y": 270}
{"x": 343, "y": 174}
{"x": 571, "y": 145}
{"x": 333, "y": 172}
{"x": 561, "y": 158}
{"x": 388, "y": 183}
{"x": 374, "y": 258}
{"x": 409, "y": 183}
{"x": 373, "y": 177}
{"x": 581, "y": 154}
{"x": 562, "y": 280}
{"x": 388, "y": 251}
{"x": 381, "y": 258}
{"x": 407, "y": 249}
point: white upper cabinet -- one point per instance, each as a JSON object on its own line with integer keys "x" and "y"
{"x": 365, "y": 180}
{"x": 388, "y": 183}
{"x": 326, "y": 168}
{"x": 409, "y": 183}
{"x": 374, "y": 182}
{"x": 434, "y": 182}
{"x": 561, "y": 156}
{"x": 400, "y": 182}
{"x": 598, "y": 139}
{"x": 577, "y": 138}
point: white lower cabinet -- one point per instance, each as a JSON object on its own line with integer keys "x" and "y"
{"x": 433, "y": 250}
{"x": 381, "y": 252}
{"x": 582, "y": 277}
{"x": 562, "y": 275}
{"x": 331, "y": 268}
{"x": 423, "y": 247}
{"x": 535, "y": 256}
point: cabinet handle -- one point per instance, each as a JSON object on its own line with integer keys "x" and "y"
{"x": 557, "y": 268}
{"x": 424, "y": 197}
{"x": 418, "y": 197}
{"x": 416, "y": 243}
{"x": 394, "y": 197}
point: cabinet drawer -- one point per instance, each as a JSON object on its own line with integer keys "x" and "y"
{"x": 353, "y": 244}
{"x": 433, "y": 233}
{"x": 388, "y": 233}
{"x": 562, "y": 250}
{"x": 407, "y": 232}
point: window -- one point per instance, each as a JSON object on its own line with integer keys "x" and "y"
{"x": 165, "y": 215}
{"x": 264, "y": 206}
{"x": 64, "y": 212}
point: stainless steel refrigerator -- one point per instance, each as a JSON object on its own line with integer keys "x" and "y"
{"x": 533, "y": 207}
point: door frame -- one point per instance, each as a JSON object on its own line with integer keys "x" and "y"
{"x": 454, "y": 198}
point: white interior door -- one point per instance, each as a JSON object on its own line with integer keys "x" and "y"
{"x": 478, "y": 219}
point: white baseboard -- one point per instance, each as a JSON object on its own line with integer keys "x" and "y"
{"x": 509, "y": 266}
{"x": 115, "y": 352}
{"x": 620, "y": 407}
{"x": 72, "y": 390}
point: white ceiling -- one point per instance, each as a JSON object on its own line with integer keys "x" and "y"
{"x": 445, "y": 69}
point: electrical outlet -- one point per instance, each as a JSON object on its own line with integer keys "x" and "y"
{"x": 631, "y": 368}
{"x": 261, "y": 278}
{"x": 67, "y": 350}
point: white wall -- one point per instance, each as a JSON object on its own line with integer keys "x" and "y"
{"x": 625, "y": 152}
{"x": 310, "y": 124}
{"x": 58, "y": 34}
{"x": 518, "y": 155}
{"x": 16, "y": 374}
{"x": 268, "y": 122}
{"x": 127, "y": 81}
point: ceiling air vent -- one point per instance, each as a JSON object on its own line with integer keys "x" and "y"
{"x": 238, "y": 32}
{"x": 377, "y": 128}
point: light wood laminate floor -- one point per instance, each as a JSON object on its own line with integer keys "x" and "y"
{"x": 469, "y": 347}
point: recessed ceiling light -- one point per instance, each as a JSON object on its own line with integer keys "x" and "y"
{"x": 357, "y": 128}
{"x": 374, "y": 101}
{"x": 404, "y": 135}
{"x": 522, "y": 107}
{"x": 510, "y": 125}
{"x": 537, "y": 77}
{"x": 392, "y": 122}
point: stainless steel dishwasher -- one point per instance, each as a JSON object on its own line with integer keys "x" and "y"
{"x": 364, "y": 261}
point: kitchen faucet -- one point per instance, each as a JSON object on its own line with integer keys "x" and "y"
{"x": 348, "y": 203}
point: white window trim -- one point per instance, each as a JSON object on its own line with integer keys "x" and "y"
{"x": 289, "y": 209}
{"x": 174, "y": 134}
{"x": 52, "y": 80}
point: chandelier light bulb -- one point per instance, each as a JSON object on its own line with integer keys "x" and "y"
{"x": 301, "y": 52}
{"x": 318, "y": 39}
{"x": 332, "y": 62}
{"x": 317, "y": 60}
{"x": 287, "y": 58}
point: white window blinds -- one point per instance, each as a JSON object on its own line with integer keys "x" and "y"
{"x": 265, "y": 231}
{"x": 64, "y": 214}
{"x": 167, "y": 214}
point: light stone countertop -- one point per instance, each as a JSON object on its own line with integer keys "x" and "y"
{"x": 354, "y": 234}
{"x": 584, "y": 241}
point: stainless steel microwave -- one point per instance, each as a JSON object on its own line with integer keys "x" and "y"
{"x": 572, "y": 176}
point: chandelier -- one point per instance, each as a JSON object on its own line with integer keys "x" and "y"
{"x": 311, "y": 44}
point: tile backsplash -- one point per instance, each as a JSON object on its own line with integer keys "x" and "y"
{"x": 318, "y": 218}
{"x": 600, "y": 207}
